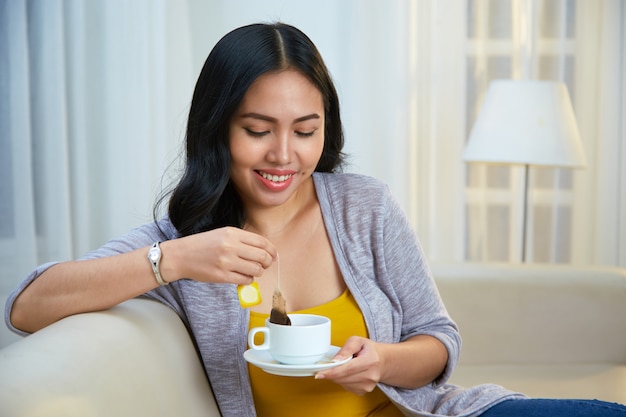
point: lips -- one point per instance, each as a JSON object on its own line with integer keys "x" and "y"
{"x": 275, "y": 181}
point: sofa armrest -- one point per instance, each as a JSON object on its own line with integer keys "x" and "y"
{"x": 134, "y": 359}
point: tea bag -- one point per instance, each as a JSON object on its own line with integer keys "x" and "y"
{"x": 278, "y": 314}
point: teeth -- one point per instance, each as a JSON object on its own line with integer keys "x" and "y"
{"x": 275, "y": 178}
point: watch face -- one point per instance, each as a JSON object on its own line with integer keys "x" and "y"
{"x": 153, "y": 255}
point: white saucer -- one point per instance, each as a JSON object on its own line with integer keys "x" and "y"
{"x": 263, "y": 360}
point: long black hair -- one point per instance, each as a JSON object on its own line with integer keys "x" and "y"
{"x": 204, "y": 198}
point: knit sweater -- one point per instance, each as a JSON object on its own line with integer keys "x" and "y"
{"x": 384, "y": 268}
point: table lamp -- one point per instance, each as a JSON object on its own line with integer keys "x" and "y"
{"x": 526, "y": 122}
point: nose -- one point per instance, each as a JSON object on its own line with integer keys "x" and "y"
{"x": 280, "y": 152}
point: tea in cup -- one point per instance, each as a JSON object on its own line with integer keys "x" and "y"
{"x": 304, "y": 342}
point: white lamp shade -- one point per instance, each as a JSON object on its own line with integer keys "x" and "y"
{"x": 526, "y": 122}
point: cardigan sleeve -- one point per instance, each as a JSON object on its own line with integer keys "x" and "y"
{"x": 136, "y": 238}
{"x": 416, "y": 295}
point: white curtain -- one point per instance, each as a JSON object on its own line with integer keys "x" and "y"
{"x": 600, "y": 99}
{"x": 437, "y": 103}
{"x": 93, "y": 97}
{"x": 94, "y": 94}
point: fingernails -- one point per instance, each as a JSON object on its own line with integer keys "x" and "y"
{"x": 319, "y": 376}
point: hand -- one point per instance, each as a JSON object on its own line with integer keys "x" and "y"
{"x": 225, "y": 255}
{"x": 361, "y": 374}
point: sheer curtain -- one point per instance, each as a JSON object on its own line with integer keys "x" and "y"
{"x": 600, "y": 233}
{"x": 90, "y": 119}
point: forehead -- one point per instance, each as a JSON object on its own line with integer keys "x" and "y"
{"x": 278, "y": 92}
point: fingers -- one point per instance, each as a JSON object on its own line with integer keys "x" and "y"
{"x": 261, "y": 256}
{"x": 225, "y": 255}
{"x": 264, "y": 251}
{"x": 351, "y": 348}
{"x": 249, "y": 254}
{"x": 362, "y": 373}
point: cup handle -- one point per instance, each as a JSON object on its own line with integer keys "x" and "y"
{"x": 266, "y": 338}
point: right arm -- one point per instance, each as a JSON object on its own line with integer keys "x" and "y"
{"x": 226, "y": 255}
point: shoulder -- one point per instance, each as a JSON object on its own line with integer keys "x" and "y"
{"x": 160, "y": 230}
{"x": 136, "y": 238}
{"x": 348, "y": 179}
{"x": 359, "y": 199}
{"x": 348, "y": 187}
{"x": 354, "y": 201}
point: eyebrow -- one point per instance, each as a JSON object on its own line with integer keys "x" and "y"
{"x": 272, "y": 119}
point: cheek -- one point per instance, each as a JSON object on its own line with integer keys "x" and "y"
{"x": 240, "y": 151}
{"x": 316, "y": 155}
{"x": 319, "y": 151}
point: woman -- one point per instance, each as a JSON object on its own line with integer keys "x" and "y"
{"x": 264, "y": 140}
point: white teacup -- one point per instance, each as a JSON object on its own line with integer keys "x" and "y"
{"x": 305, "y": 342}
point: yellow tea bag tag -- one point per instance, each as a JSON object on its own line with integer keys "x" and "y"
{"x": 249, "y": 295}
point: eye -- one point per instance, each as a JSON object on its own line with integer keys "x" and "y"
{"x": 306, "y": 134}
{"x": 255, "y": 133}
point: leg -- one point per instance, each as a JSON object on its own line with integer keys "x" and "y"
{"x": 556, "y": 408}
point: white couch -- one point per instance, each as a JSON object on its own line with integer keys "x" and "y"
{"x": 548, "y": 331}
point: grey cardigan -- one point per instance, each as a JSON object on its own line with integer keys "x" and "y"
{"x": 382, "y": 265}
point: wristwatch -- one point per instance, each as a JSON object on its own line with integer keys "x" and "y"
{"x": 154, "y": 256}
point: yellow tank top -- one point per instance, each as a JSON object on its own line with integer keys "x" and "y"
{"x": 306, "y": 396}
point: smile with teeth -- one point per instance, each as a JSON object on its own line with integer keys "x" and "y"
{"x": 275, "y": 178}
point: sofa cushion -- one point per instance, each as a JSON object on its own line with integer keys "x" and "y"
{"x": 590, "y": 381}
{"x": 536, "y": 314}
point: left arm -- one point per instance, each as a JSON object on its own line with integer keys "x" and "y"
{"x": 415, "y": 342}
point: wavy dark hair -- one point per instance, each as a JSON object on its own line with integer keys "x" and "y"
{"x": 204, "y": 198}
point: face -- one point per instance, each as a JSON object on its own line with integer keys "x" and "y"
{"x": 276, "y": 138}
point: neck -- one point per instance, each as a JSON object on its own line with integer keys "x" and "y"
{"x": 272, "y": 221}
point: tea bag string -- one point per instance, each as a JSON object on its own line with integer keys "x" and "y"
{"x": 278, "y": 271}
